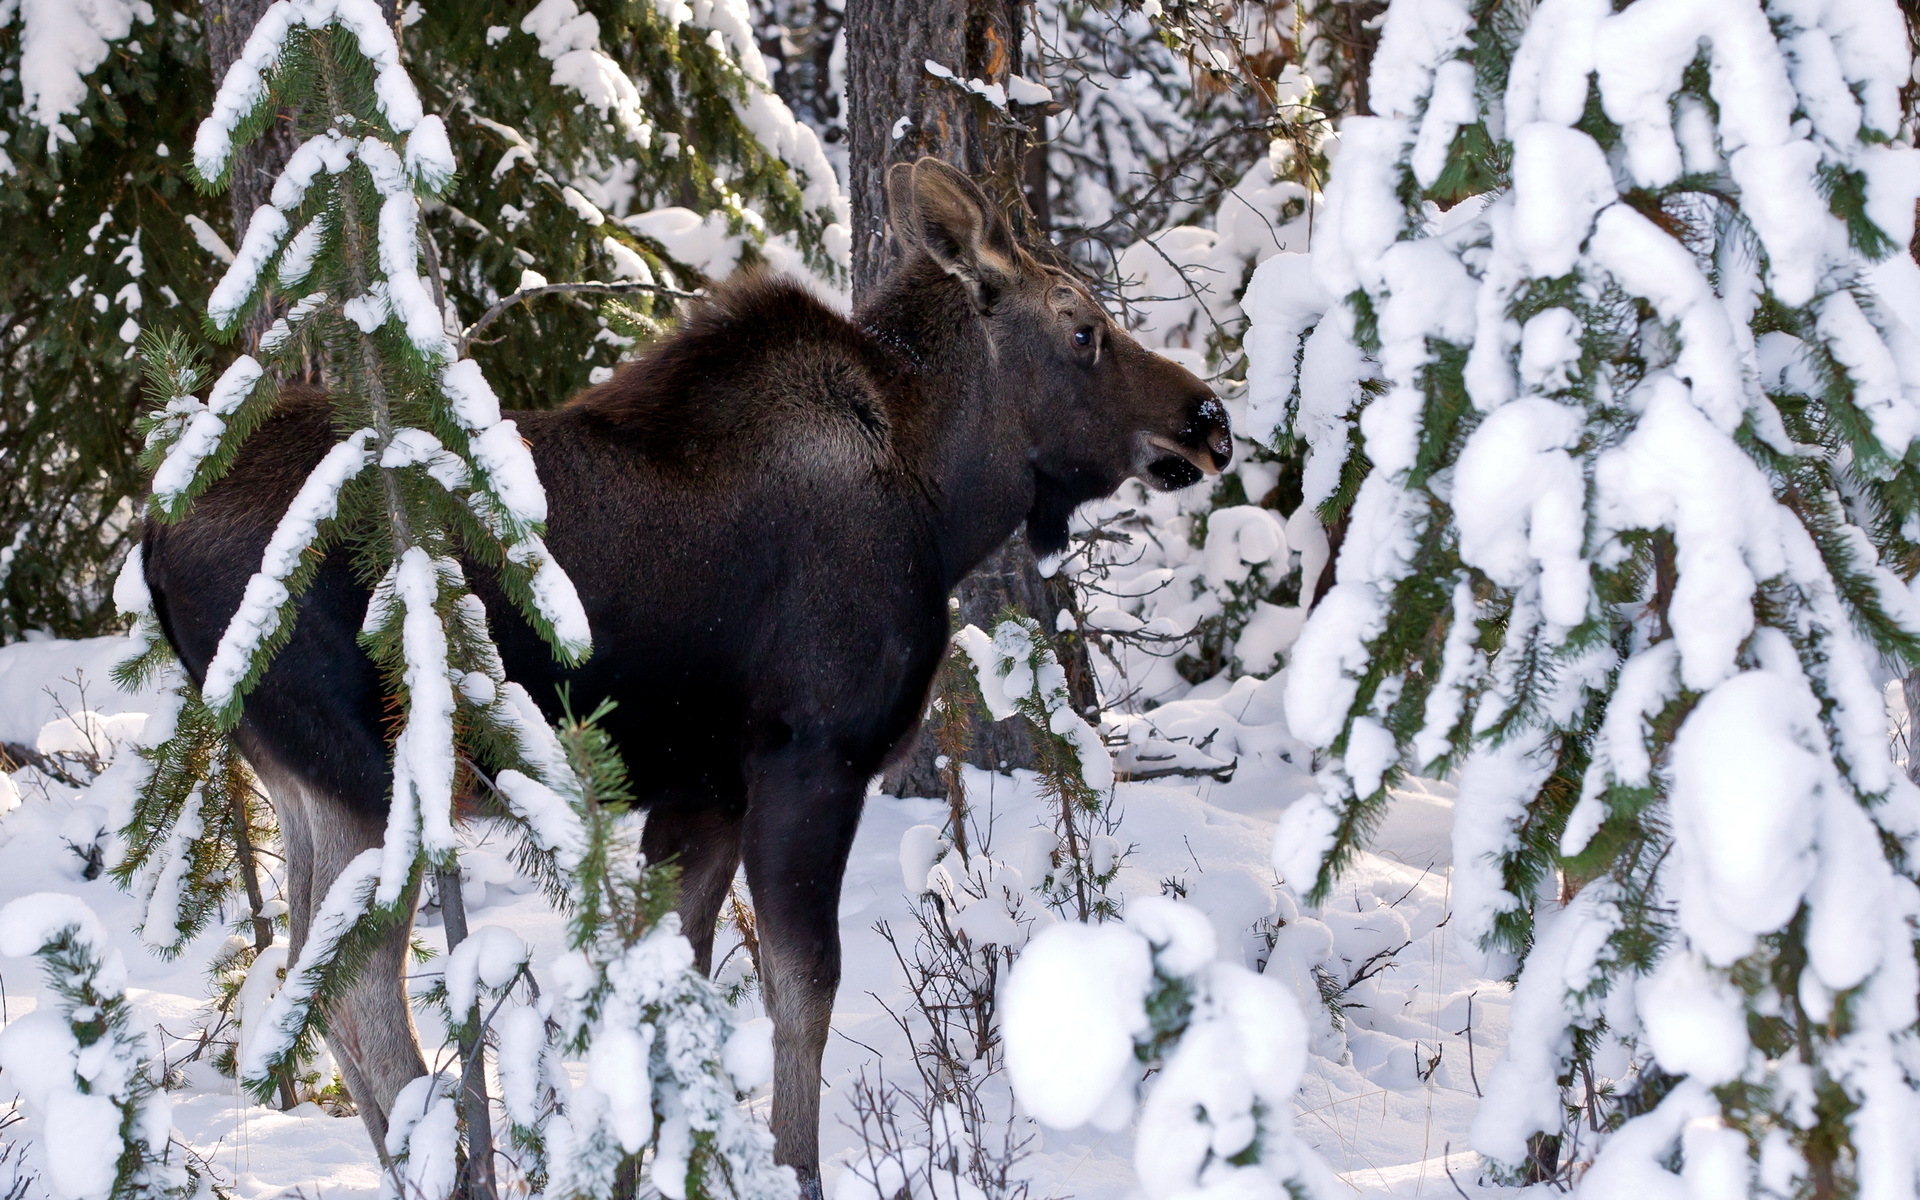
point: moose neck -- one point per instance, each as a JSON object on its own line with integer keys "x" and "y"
{"x": 957, "y": 433}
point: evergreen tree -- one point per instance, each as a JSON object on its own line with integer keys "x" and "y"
{"x": 595, "y": 115}
{"x": 430, "y": 477}
{"x": 359, "y": 308}
{"x": 102, "y": 235}
{"x": 1631, "y": 520}
{"x": 580, "y": 123}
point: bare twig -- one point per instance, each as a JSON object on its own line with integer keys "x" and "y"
{"x": 558, "y": 289}
{"x": 1372, "y": 965}
{"x": 1446, "y": 1160}
{"x": 1472, "y": 1072}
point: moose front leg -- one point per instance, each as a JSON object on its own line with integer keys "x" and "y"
{"x": 801, "y": 816}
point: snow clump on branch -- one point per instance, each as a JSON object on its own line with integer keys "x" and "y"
{"x": 1088, "y": 1007}
{"x": 82, "y": 1065}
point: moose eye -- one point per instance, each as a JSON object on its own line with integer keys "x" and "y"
{"x": 1083, "y": 336}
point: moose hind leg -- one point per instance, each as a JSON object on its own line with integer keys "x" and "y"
{"x": 800, "y": 822}
{"x": 704, "y": 844}
{"x": 370, "y": 1025}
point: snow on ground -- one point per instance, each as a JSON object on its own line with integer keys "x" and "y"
{"x": 1388, "y": 1092}
{"x": 44, "y": 678}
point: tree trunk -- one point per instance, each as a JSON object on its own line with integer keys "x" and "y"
{"x": 898, "y": 112}
{"x": 477, "y": 1180}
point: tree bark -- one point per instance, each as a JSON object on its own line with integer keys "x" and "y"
{"x": 227, "y": 24}
{"x": 898, "y": 112}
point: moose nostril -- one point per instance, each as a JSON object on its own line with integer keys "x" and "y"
{"x": 1221, "y": 443}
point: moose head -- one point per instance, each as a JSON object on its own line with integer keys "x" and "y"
{"x": 1094, "y": 405}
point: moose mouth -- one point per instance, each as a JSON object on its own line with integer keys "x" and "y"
{"x": 1180, "y": 466}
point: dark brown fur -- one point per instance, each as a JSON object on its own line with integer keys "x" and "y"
{"x": 763, "y": 515}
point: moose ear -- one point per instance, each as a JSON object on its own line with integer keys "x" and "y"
{"x": 941, "y": 211}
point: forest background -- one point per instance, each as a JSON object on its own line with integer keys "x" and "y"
{"x": 1188, "y": 160}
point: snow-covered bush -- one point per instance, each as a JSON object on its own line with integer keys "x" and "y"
{"x": 1017, "y": 672}
{"x": 1629, "y": 537}
{"x": 666, "y": 1061}
{"x": 103, "y": 1126}
{"x": 948, "y": 1128}
{"x": 1088, "y": 1008}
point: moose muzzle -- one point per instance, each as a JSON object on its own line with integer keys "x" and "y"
{"x": 1202, "y": 446}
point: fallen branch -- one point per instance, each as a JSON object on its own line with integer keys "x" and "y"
{"x": 14, "y": 756}
{"x": 1220, "y": 774}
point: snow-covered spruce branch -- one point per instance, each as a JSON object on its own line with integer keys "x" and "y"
{"x": 267, "y": 603}
{"x": 524, "y": 295}
{"x": 195, "y": 816}
{"x": 1630, "y": 519}
{"x": 1088, "y": 1008}
{"x": 351, "y": 188}
{"x": 193, "y": 823}
{"x": 761, "y": 154}
{"x": 84, "y": 1068}
{"x": 189, "y": 443}
{"x": 364, "y": 248}
{"x": 284, "y": 1032}
{"x": 423, "y": 1138}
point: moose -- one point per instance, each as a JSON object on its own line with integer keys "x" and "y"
{"x": 763, "y": 514}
